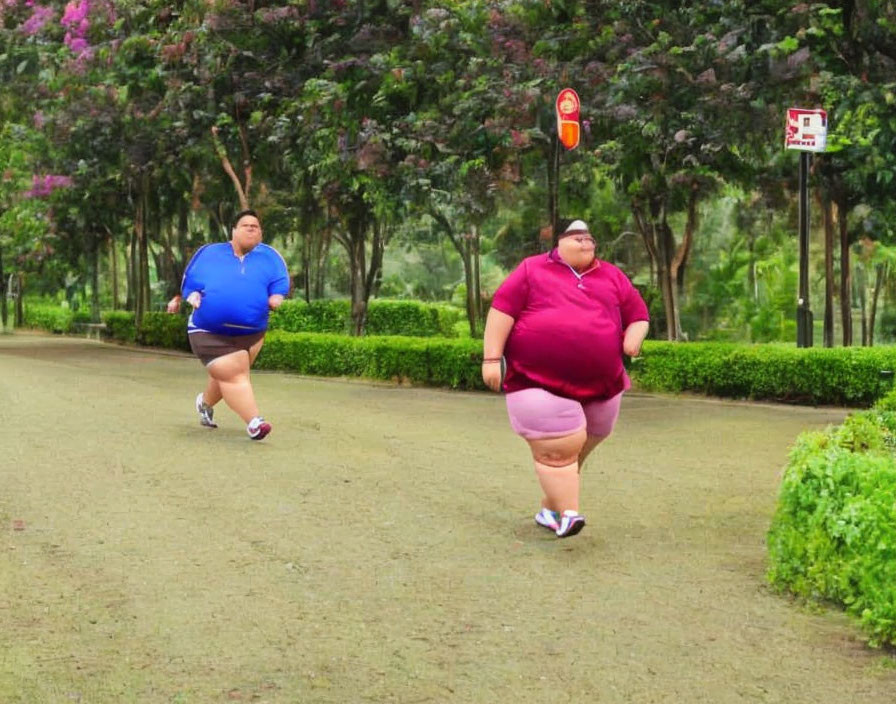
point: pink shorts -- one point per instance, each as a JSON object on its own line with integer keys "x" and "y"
{"x": 536, "y": 413}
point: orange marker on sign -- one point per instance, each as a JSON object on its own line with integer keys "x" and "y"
{"x": 568, "y": 129}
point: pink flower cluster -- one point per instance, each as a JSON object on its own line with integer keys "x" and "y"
{"x": 40, "y": 15}
{"x": 76, "y": 23}
{"x": 44, "y": 185}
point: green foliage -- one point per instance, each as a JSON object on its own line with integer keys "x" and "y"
{"x": 120, "y": 325}
{"x": 428, "y": 361}
{"x": 163, "y": 330}
{"x": 317, "y": 316}
{"x": 833, "y": 535}
{"x": 411, "y": 318}
{"x": 846, "y": 376}
{"x": 47, "y": 316}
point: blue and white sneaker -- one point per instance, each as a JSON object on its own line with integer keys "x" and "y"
{"x": 548, "y": 519}
{"x": 206, "y": 413}
{"x": 570, "y": 524}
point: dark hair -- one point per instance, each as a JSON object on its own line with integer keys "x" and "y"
{"x": 562, "y": 224}
{"x": 243, "y": 213}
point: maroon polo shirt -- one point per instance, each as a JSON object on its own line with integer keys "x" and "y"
{"x": 568, "y": 327}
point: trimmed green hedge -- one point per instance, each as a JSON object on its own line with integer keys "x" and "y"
{"x": 845, "y": 376}
{"x": 833, "y": 535}
{"x": 850, "y": 376}
{"x": 430, "y": 361}
{"x": 47, "y": 316}
{"x": 157, "y": 330}
{"x": 120, "y": 325}
{"x": 164, "y": 330}
{"x": 409, "y": 318}
{"x": 317, "y": 316}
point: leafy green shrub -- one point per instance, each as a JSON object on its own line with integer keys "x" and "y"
{"x": 120, "y": 325}
{"x": 318, "y": 316}
{"x": 48, "y": 317}
{"x": 163, "y": 330}
{"x": 833, "y": 535}
{"x": 849, "y": 376}
{"x": 411, "y": 318}
{"x": 429, "y": 361}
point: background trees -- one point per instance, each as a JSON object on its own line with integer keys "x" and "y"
{"x": 378, "y": 123}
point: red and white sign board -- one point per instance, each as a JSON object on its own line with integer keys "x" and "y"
{"x": 568, "y": 129}
{"x": 807, "y": 130}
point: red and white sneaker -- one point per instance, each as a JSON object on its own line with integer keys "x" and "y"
{"x": 258, "y": 428}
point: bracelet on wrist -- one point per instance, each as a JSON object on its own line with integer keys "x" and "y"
{"x": 490, "y": 360}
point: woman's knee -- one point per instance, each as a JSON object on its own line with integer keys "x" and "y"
{"x": 230, "y": 367}
{"x": 558, "y": 452}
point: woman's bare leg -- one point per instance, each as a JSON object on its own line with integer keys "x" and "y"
{"x": 591, "y": 442}
{"x": 212, "y": 393}
{"x": 231, "y": 372}
{"x": 557, "y": 469}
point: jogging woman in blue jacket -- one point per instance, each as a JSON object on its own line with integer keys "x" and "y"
{"x": 232, "y": 286}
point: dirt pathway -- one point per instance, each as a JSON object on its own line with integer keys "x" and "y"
{"x": 379, "y": 547}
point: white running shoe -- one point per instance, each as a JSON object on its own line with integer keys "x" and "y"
{"x": 570, "y": 524}
{"x": 206, "y": 413}
{"x": 548, "y": 519}
{"x": 258, "y": 428}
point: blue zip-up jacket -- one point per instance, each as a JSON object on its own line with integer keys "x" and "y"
{"x": 234, "y": 289}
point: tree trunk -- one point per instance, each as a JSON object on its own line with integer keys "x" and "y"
{"x": 141, "y": 278}
{"x": 19, "y": 319}
{"x": 828, "y": 218}
{"x": 845, "y": 277}
{"x": 467, "y": 258}
{"x": 131, "y": 271}
{"x": 4, "y": 290}
{"x": 94, "y": 254}
{"x": 663, "y": 236}
{"x": 242, "y": 188}
{"x": 880, "y": 275}
{"x": 113, "y": 270}
{"x": 465, "y": 248}
{"x": 358, "y": 286}
{"x": 682, "y": 255}
{"x": 862, "y": 289}
{"x": 475, "y": 241}
{"x": 354, "y": 243}
{"x": 375, "y": 270}
{"x": 320, "y": 273}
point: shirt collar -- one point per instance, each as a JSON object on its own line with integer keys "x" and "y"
{"x": 554, "y": 258}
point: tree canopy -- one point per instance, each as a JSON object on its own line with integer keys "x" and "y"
{"x": 132, "y": 131}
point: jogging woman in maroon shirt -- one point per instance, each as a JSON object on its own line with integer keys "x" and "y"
{"x": 562, "y": 322}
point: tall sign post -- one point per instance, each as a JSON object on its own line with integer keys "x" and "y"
{"x": 568, "y": 129}
{"x": 806, "y": 132}
{"x": 568, "y": 133}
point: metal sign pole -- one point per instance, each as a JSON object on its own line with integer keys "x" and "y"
{"x": 806, "y": 130}
{"x": 803, "y": 311}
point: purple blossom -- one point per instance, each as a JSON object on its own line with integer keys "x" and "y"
{"x": 75, "y": 13}
{"x": 38, "y": 120}
{"x": 78, "y": 45}
{"x": 44, "y": 185}
{"x": 76, "y": 22}
{"x": 39, "y": 17}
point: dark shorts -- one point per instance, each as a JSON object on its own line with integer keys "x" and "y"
{"x": 208, "y": 346}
